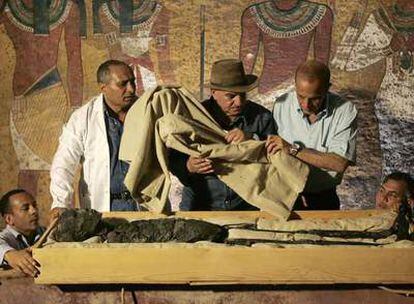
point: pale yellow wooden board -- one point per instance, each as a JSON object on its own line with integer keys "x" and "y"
{"x": 193, "y": 264}
{"x": 247, "y": 214}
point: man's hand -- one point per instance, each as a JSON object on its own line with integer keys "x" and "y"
{"x": 275, "y": 143}
{"x": 23, "y": 261}
{"x": 55, "y": 213}
{"x": 236, "y": 136}
{"x": 199, "y": 165}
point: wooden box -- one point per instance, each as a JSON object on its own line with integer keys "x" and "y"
{"x": 203, "y": 264}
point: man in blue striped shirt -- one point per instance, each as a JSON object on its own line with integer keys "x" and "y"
{"x": 19, "y": 210}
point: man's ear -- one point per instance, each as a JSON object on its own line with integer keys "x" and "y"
{"x": 8, "y": 218}
{"x": 102, "y": 86}
{"x": 213, "y": 94}
{"x": 410, "y": 201}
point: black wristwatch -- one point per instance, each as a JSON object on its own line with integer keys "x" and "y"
{"x": 294, "y": 149}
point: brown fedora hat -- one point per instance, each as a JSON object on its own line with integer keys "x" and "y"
{"x": 229, "y": 75}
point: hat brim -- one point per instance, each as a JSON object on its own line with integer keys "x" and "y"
{"x": 252, "y": 82}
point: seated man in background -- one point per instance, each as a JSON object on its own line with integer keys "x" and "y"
{"x": 19, "y": 210}
{"x": 396, "y": 189}
{"x": 319, "y": 128}
{"x": 242, "y": 118}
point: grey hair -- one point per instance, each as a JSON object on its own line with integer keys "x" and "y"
{"x": 103, "y": 73}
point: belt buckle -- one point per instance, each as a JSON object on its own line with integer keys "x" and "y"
{"x": 125, "y": 195}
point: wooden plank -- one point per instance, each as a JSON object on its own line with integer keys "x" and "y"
{"x": 248, "y": 215}
{"x": 194, "y": 264}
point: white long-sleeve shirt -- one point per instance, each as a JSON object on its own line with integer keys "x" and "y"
{"x": 83, "y": 140}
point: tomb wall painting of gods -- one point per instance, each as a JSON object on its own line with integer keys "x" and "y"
{"x": 37, "y": 94}
{"x": 382, "y": 35}
{"x": 128, "y": 27}
{"x": 50, "y": 50}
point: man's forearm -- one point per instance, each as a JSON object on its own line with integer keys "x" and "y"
{"x": 4, "y": 248}
{"x": 327, "y": 161}
{"x": 23, "y": 261}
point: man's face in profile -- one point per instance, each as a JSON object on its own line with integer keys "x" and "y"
{"x": 119, "y": 90}
{"x": 391, "y": 194}
{"x": 23, "y": 214}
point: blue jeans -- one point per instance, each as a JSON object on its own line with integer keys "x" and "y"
{"x": 123, "y": 205}
{"x": 208, "y": 193}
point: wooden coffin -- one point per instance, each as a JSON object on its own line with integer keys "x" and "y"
{"x": 204, "y": 264}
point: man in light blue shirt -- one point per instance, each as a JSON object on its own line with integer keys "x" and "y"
{"x": 19, "y": 210}
{"x": 319, "y": 128}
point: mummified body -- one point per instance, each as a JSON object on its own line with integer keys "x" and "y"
{"x": 77, "y": 225}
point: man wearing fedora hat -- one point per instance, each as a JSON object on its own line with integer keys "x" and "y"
{"x": 242, "y": 118}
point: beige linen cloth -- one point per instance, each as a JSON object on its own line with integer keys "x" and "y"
{"x": 170, "y": 117}
{"x": 292, "y": 231}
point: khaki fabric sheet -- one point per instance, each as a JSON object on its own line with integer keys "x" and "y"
{"x": 170, "y": 117}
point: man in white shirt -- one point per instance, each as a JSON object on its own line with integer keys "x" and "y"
{"x": 92, "y": 137}
{"x": 319, "y": 128}
{"x": 19, "y": 210}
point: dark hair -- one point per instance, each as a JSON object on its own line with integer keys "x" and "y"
{"x": 404, "y": 177}
{"x": 314, "y": 70}
{"x": 103, "y": 72}
{"x": 5, "y": 200}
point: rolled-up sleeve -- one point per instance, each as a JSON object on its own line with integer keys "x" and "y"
{"x": 4, "y": 247}
{"x": 343, "y": 142}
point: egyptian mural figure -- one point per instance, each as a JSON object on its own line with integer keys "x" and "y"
{"x": 286, "y": 29}
{"x": 129, "y": 28}
{"x": 40, "y": 102}
{"x": 388, "y": 34}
